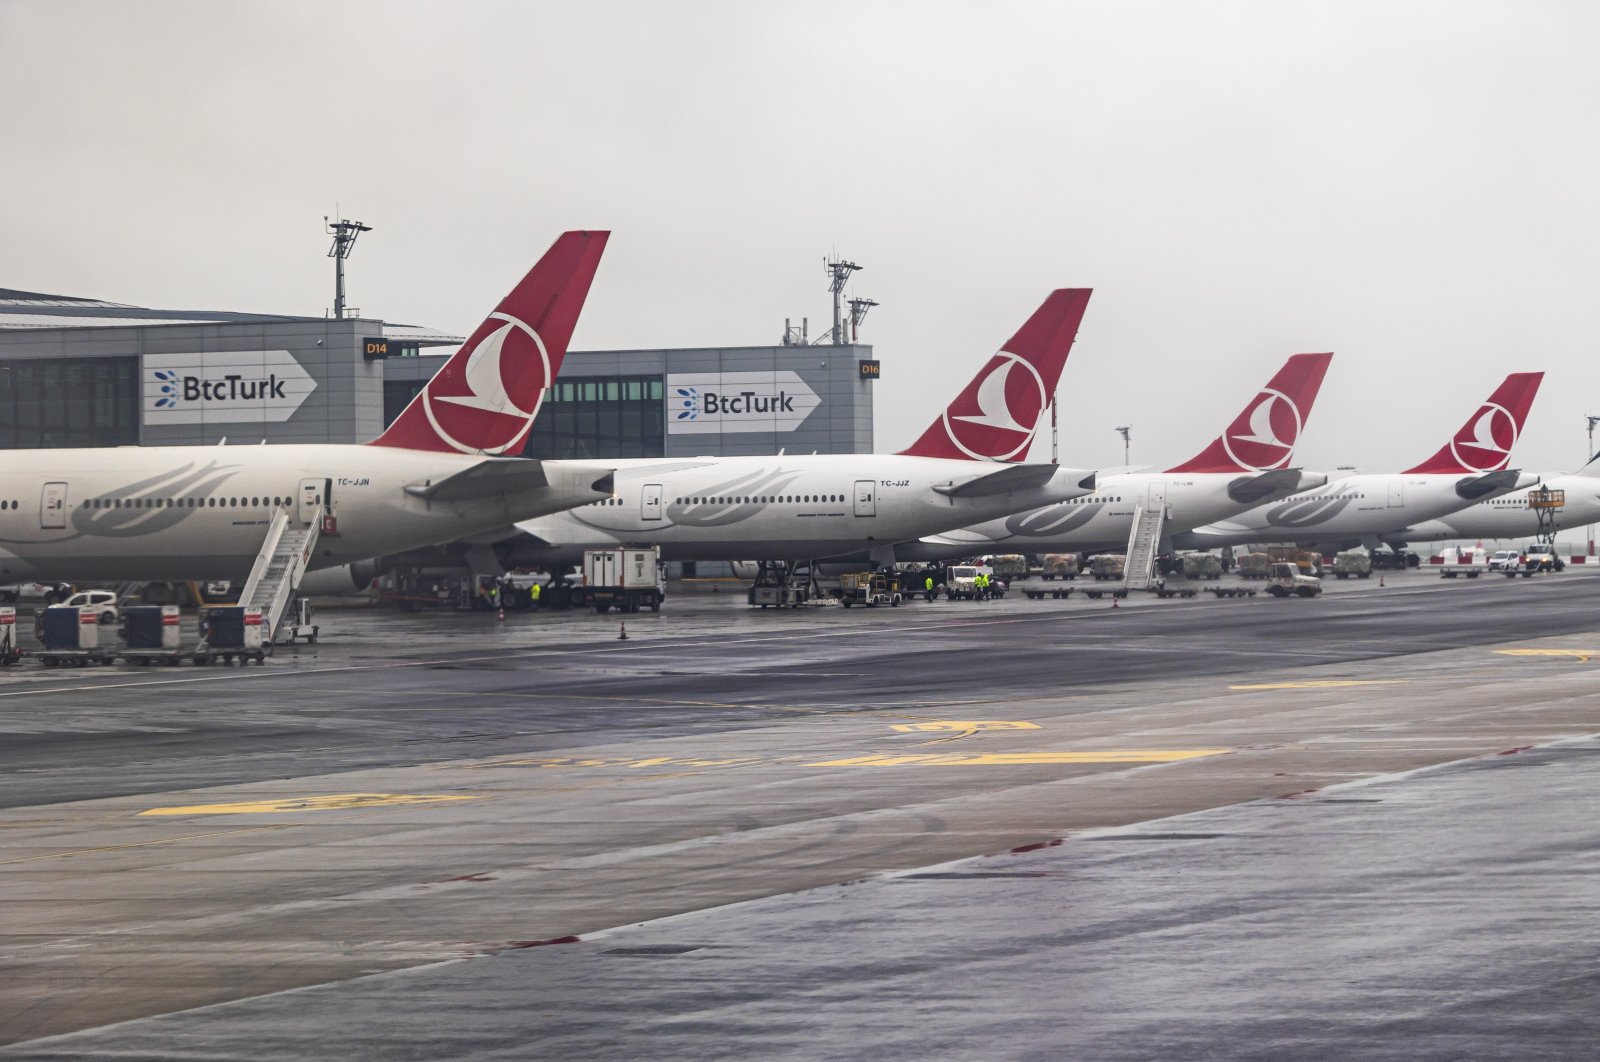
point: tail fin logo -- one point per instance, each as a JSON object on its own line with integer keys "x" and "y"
{"x": 994, "y": 419}
{"x": 1484, "y": 445}
{"x": 474, "y": 412}
{"x": 1265, "y": 440}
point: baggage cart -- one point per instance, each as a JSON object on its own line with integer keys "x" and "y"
{"x": 70, "y": 636}
{"x": 231, "y": 632}
{"x": 9, "y": 653}
{"x": 151, "y": 635}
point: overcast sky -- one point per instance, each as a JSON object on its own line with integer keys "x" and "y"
{"x": 1413, "y": 186}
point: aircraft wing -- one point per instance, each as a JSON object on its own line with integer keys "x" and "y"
{"x": 1006, "y": 479}
{"x": 497, "y": 476}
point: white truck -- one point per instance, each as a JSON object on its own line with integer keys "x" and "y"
{"x": 1463, "y": 560}
{"x": 1285, "y": 579}
{"x": 625, "y": 579}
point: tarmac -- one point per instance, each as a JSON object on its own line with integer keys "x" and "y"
{"x": 1354, "y": 825}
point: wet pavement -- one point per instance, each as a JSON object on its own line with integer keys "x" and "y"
{"x": 418, "y": 790}
{"x": 1448, "y": 913}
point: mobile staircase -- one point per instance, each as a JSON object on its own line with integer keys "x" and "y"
{"x": 274, "y": 582}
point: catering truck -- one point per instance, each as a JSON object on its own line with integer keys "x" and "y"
{"x": 624, "y": 579}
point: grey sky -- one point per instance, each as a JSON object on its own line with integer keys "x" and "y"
{"x": 1413, "y": 186}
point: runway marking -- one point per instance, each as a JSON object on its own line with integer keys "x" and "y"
{"x": 1320, "y": 684}
{"x": 629, "y": 762}
{"x": 1582, "y": 655}
{"x": 334, "y": 802}
{"x": 1020, "y": 759}
{"x": 962, "y": 728}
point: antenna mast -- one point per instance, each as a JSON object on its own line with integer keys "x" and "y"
{"x": 839, "y": 271}
{"x": 344, "y": 241}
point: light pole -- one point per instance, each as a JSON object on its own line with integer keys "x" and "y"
{"x": 344, "y": 241}
{"x": 1123, "y": 431}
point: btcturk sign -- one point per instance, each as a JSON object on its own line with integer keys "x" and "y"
{"x": 716, "y": 402}
{"x": 232, "y": 387}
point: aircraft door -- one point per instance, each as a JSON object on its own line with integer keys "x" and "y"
{"x": 1396, "y": 499}
{"x": 53, "y": 506}
{"x": 650, "y": 502}
{"x": 866, "y": 497}
{"x": 1156, "y": 500}
{"x": 313, "y": 493}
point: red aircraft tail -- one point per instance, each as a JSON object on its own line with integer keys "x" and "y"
{"x": 995, "y": 417}
{"x": 484, "y": 399}
{"x": 1263, "y": 436}
{"x": 1484, "y": 442}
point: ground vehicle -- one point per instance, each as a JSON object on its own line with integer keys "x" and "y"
{"x": 1356, "y": 562}
{"x": 1104, "y": 566}
{"x": 1309, "y": 561}
{"x": 1285, "y": 579}
{"x": 1505, "y": 560}
{"x": 868, "y": 588}
{"x": 1060, "y": 566}
{"x": 49, "y": 593}
{"x": 1394, "y": 560}
{"x": 102, "y": 602}
{"x": 1201, "y": 566}
{"x": 1254, "y": 566}
{"x": 1007, "y": 566}
{"x": 961, "y": 582}
{"x": 1541, "y": 558}
{"x": 629, "y": 579}
{"x": 1455, "y": 561}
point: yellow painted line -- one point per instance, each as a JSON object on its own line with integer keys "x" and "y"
{"x": 1021, "y": 759}
{"x": 334, "y": 802}
{"x": 629, "y": 762}
{"x": 1324, "y": 684}
{"x": 962, "y": 727}
{"x": 1582, "y": 655}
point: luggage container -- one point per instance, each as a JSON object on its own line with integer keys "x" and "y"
{"x": 151, "y": 634}
{"x": 70, "y": 636}
{"x": 9, "y": 653}
{"x": 228, "y": 632}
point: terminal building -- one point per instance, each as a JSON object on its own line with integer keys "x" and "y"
{"x": 82, "y": 372}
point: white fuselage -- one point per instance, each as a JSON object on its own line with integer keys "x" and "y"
{"x": 1104, "y": 519}
{"x": 1354, "y": 510}
{"x": 1509, "y": 516}
{"x": 779, "y": 508}
{"x": 202, "y": 512}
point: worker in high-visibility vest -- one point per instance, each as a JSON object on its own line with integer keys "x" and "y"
{"x": 533, "y": 597}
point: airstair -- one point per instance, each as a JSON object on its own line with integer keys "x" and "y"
{"x": 1139, "y": 569}
{"x": 275, "y": 579}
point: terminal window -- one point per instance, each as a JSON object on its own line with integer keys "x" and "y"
{"x": 591, "y": 416}
{"x": 56, "y": 402}
{"x": 621, "y": 416}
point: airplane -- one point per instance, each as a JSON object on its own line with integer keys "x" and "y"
{"x": 1359, "y": 509}
{"x": 1241, "y": 468}
{"x": 965, "y": 467}
{"x": 1510, "y": 515}
{"x": 437, "y": 473}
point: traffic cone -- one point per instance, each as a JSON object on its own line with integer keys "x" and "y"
{"x": 622, "y": 635}
{"x": 502, "y": 613}
{"x": 1380, "y": 579}
{"x": 1113, "y": 600}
